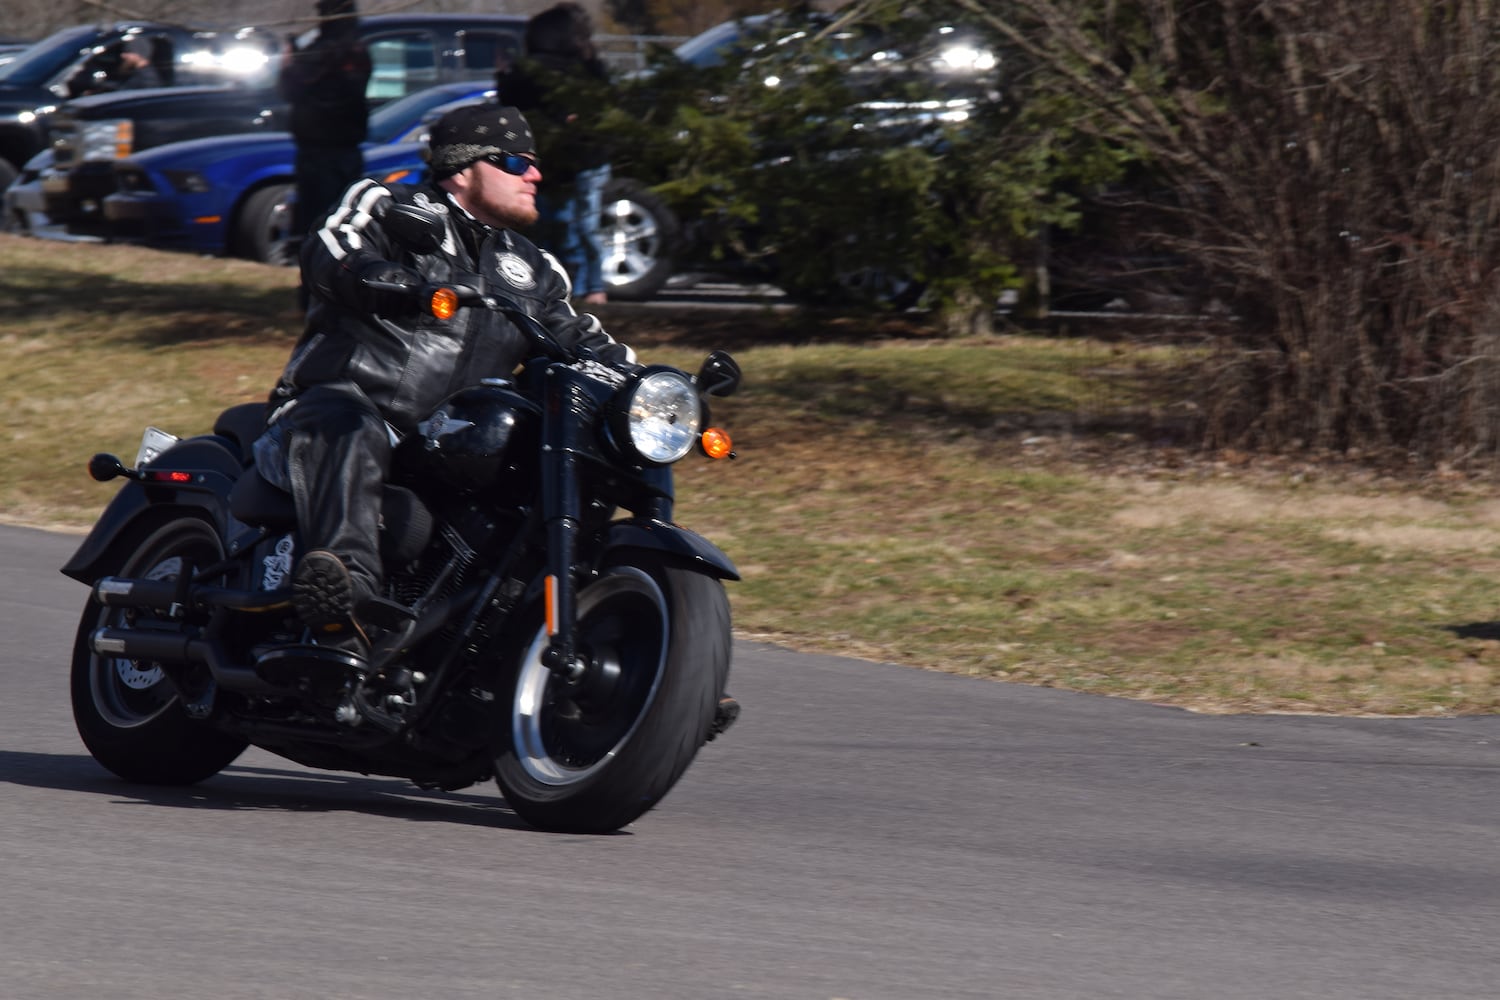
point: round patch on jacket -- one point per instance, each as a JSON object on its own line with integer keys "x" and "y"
{"x": 515, "y": 270}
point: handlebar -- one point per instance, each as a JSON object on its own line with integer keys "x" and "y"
{"x": 719, "y": 376}
{"x": 444, "y": 300}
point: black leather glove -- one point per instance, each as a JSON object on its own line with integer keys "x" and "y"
{"x": 398, "y": 297}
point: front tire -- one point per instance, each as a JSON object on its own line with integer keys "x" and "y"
{"x": 263, "y": 229}
{"x": 127, "y": 711}
{"x": 593, "y": 759}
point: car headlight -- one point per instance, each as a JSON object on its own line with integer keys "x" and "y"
{"x": 106, "y": 139}
{"x": 662, "y": 417}
{"x": 188, "y": 181}
{"x": 133, "y": 180}
{"x": 965, "y": 58}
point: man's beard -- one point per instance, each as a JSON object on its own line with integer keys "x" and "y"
{"x": 520, "y": 218}
{"x": 512, "y": 216}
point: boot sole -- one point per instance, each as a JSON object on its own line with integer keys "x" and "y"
{"x": 322, "y": 590}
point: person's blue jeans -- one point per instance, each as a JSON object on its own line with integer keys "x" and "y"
{"x": 575, "y": 219}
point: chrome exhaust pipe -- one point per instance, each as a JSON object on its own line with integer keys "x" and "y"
{"x": 162, "y": 595}
{"x": 174, "y": 648}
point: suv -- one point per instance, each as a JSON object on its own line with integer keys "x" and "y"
{"x": 408, "y": 52}
{"x": 35, "y": 82}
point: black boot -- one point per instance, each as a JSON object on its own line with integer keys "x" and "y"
{"x": 323, "y": 591}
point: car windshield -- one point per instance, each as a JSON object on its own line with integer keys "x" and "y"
{"x": 37, "y": 66}
{"x": 389, "y": 121}
{"x": 709, "y": 48}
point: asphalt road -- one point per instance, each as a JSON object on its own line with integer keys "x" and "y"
{"x": 866, "y": 831}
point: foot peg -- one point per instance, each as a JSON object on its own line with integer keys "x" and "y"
{"x": 382, "y": 612}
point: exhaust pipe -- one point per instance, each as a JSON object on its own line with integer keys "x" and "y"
{"x": 116, "y": 592}
{"x": 162, "y": 595}
{"x": 162, "y": 647}
{"x": 176, "y": 648}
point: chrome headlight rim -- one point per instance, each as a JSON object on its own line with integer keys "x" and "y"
{"x": 658, "y": 417}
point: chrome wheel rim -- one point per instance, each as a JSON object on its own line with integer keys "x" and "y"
{"x": 632, "y": 241}
{"x": 564, "y": 734}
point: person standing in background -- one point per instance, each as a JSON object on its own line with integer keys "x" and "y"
{"x": 563, "y": 87}
{"x": 325, "y": 83}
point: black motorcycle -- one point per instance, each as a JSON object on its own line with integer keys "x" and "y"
{"x": 543, "y": 621}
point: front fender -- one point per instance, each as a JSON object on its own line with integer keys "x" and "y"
{"x": 138, "y": 502}
{"x": 687, "y": 548}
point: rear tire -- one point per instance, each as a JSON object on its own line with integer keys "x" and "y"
{"x": 127, "y": 711}
{"x": 593, "y": 761}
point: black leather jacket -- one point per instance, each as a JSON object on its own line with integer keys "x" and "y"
{"x": 408, "y": 364}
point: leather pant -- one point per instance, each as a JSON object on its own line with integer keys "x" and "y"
{"x": 338, "y": 454}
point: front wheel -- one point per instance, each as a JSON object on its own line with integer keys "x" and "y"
{"x": 263, "y": 229}
{"x": 128, "y": 711}
{"x": 591, "y": 757}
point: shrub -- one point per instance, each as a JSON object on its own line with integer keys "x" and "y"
{"x": 1335, "y": 177}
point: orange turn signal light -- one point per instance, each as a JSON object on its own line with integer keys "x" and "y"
{"x": 444, "y": 303}
{"x": 716, "y": 443}
{"x": 549, "y": 603}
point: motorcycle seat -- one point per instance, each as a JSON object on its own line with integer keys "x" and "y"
{"x": 242, "y": 424}
{"x": 256, "y": 501}
{"x": 406, "y": 524}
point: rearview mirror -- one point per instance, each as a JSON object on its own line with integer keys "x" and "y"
{"x": 720, "y": 375}
{"x": 417, "y": 229}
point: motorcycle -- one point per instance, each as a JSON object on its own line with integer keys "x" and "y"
{"x": 544, "y": 621}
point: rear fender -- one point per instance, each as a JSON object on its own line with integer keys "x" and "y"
{"x": 207, "y": 495}
{"x": 685, "y": 548}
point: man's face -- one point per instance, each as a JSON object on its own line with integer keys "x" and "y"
{"x": 494, "y": 196}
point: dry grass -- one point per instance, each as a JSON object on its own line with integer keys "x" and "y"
{"x": 1020, "y": 507}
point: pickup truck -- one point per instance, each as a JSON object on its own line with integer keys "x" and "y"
{"x": 409, "y": 52}
{"x": 36, "y": 81}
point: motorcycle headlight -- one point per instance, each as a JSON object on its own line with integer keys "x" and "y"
{"x": 663, "y": 417}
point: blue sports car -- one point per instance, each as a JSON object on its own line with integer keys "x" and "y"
{"x": 233, "y": 194}
{"x": 230, "y": 194}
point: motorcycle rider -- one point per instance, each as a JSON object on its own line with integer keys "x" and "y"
{"x": 369, "y": 365}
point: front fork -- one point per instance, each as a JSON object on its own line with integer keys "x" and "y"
{"x": 567, "y": 416}
{"x": 568, "y": 409}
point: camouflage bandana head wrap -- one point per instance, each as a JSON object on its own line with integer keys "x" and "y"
{"x": 474, "y": 131}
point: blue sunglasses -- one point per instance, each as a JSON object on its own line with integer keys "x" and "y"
{"x": 511, "y": 163}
